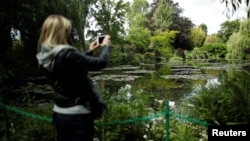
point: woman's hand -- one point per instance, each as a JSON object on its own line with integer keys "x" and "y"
{"x": 106, "y": 41}
{"x": 93, "y": 46}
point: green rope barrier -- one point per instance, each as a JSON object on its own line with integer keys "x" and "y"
{"x": 189, "y": 119}
{"x": 145, "y": 118}
{"x": 27, "y": 114}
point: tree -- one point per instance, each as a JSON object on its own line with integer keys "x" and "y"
{"x": 138, "y": 33}
{"x": 27, "y": 16}
{"x": 162, "y": 44}
{"x": 203, "y": 27}
{"x": 162, "y": 16}
{"x": 82, "y": 11}
{"x": 227, "y": 29}
{"x": 183, "y": 25}
{"x": 163, "y": 40}
{"x": 211, "y": 39}
{"x": 239, "y": 41}
{"x": 198, "y": 37}
{"x": 233, "y": 5}
{"x": 179, "y": 23}
{"x": 215, "y": 50}
{"x": 109, "y": 17}
{"x": 139, "y": 36}
{"x": 137, "y": 13}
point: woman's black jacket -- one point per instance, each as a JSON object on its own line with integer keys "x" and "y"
{"x": 70, "y": 75}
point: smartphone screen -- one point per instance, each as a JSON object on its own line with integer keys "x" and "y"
{"x": 100, "y": 39}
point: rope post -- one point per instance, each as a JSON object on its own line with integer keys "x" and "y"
{"x": 167, "y": 119}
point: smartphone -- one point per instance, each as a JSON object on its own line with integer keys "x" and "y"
{"x": 99, "y": 39}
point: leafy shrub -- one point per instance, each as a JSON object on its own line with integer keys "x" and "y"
{"x": 126, "y": 104}
{"x": 22, "y": 128}
{"x": 136, "y": 59}
{"x": 140, "y": 37}
{"x": 216, "y": 50}
{"x": 117, "y": 57}
{"x": 225, "y": 103}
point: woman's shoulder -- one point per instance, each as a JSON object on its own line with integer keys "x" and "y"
{"x": 64, "y": 52}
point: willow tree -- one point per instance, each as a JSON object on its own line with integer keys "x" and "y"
{"x": 239, "y": 41}
{"x": 27, "y": 16}
{"x": 20, "y": 22}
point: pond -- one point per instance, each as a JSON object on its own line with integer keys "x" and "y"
{"x": 166, "y": 81}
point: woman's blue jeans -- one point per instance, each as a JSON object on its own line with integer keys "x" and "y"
{"x": 78, "y": 127}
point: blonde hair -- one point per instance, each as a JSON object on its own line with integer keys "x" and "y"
{"x": 55, "y": 30}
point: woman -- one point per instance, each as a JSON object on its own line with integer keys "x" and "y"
{"x": 68, "y": 71}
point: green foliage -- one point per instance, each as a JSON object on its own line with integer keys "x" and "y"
{"x": 117, "y": 57}
{"x": 203, "y": 27}
{"x": 162, "y": 16}
{"x": 198, "y": 37}
{"x": 227, "y": 29}
{"x": 224, "y": 103}
{"x": 208, "y": 51}
{"x": 210, "y": 105}
{"x": 110, "y": 17}
{"x": 138, "y": 34}
{"x": 129, "y": 55}
{"x": 183, "y": 131}
{"x": 175, "y": 59}
{"x": 137, "y": 13}
{"x": 216, "y": 50}
{"x": 239, "y": 41}
{"x": 148, "y": 57}
{"x": 28, "y": 25}
{"x": 126, "y": 104}
{"x": 211, "y": 39}
{"x": 163, "y": 40}
{"x": 196, "y": 53}
{"x": 164, "y": 70}
{"x": 140, "y": 37}
{"x": 24, "y": 128}
{"x": 163, "y": 43}
{"x": 137, "y": 59}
